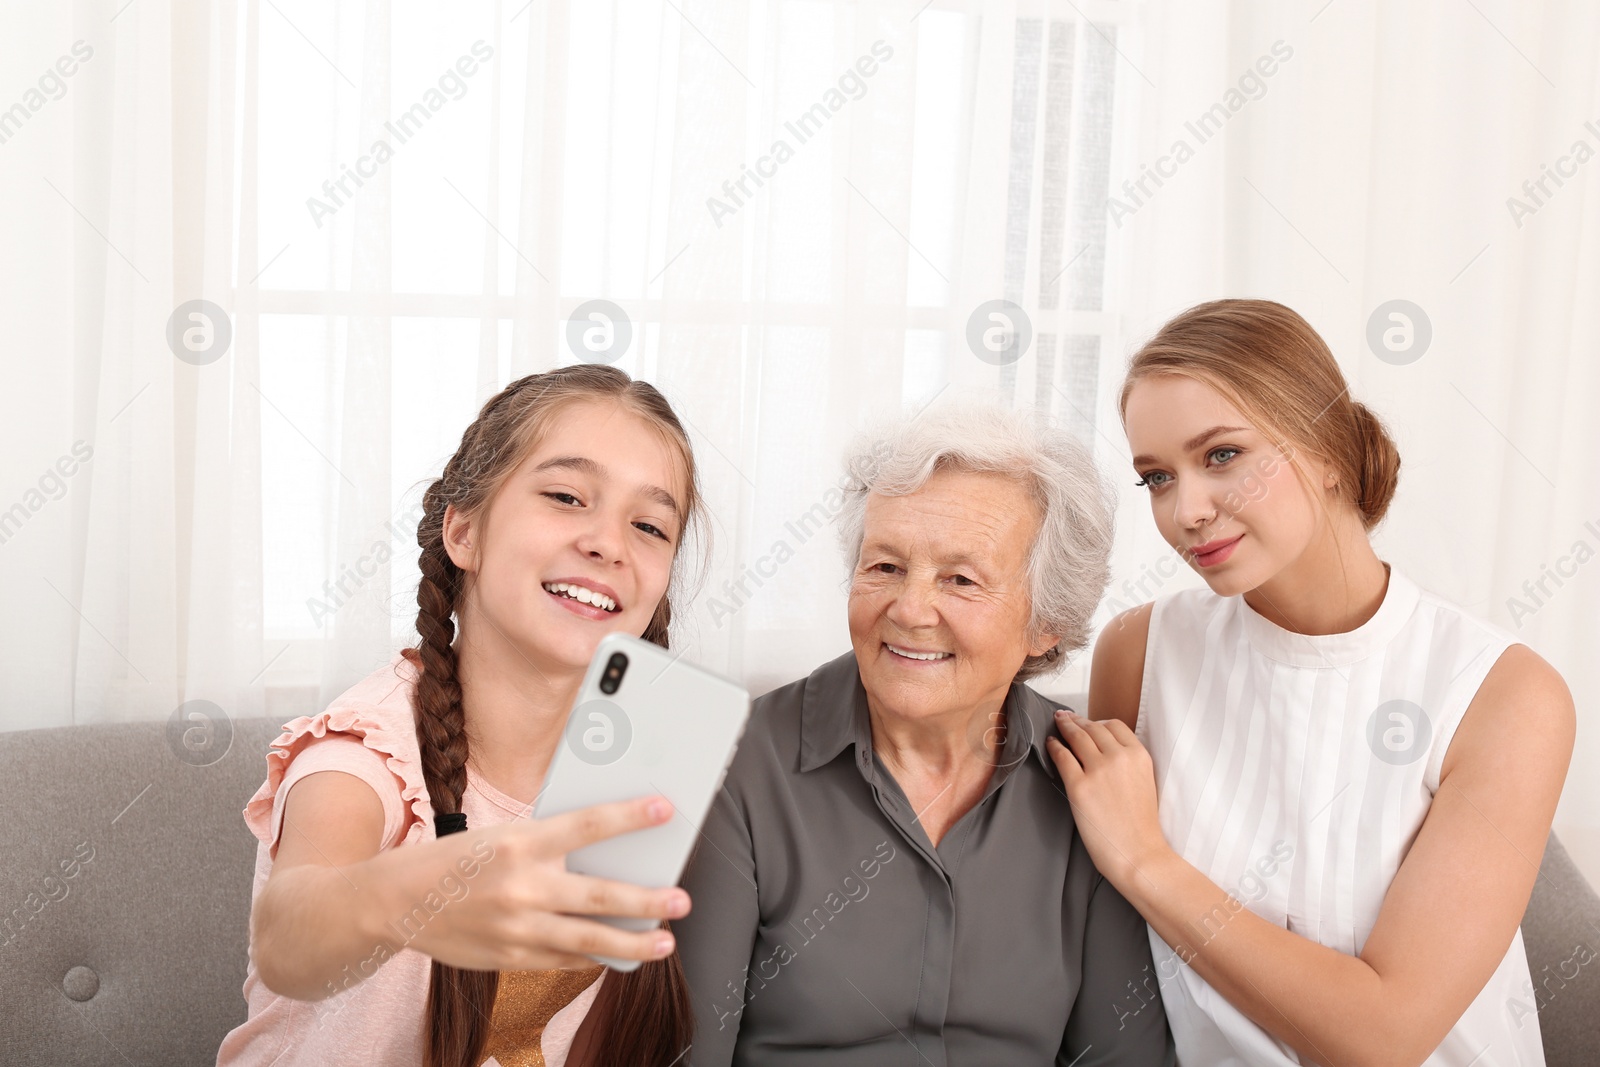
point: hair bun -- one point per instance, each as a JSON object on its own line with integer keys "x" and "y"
{"x": 1380, "y": 465}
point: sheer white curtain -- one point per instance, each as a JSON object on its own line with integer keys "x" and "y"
{"x": 797, "y": 213}
{"x": 130, "y": 536}
{"x": 804, "y": 211}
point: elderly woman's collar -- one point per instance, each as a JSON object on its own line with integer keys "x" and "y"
{"x": 833, "y": 717}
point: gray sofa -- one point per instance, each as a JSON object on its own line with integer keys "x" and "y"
{"x": 125, "y": 874}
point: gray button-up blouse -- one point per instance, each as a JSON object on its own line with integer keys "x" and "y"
{"x": 827, "y": 929}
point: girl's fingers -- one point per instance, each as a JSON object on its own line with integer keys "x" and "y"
{"x": 569, "y": 935}
{"x": 561, "y": 834}
{"x": 578, "y": 894}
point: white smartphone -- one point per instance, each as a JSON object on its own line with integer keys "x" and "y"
{"x": 646, "y": 722}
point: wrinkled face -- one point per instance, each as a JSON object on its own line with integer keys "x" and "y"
{"x": 1223, "y": 492}
{"x": 939, "y": 601}
{"x": 580, "y": 539}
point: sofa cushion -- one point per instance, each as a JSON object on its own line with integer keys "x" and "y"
{"x": 125, "y": 889}
{"x": 1561, "y": 933}
{"x": 125, "y": 871}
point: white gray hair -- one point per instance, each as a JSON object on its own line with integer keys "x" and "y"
{"x": 1069, "y": 565}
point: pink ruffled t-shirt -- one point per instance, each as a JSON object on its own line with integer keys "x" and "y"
{"x": 368, "y": 731}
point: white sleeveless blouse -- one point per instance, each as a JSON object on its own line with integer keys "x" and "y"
{"x": 1295, "y": 771}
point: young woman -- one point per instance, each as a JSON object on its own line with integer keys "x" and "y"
{"x": 1326, "y": 789}
{"x": 381, "y": 933}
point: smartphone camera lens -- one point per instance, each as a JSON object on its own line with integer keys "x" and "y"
{"x": 616, "y": 667}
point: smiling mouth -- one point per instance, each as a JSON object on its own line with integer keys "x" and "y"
{"x": 921, "y": 657}
{"x": 582, "y": 595}
{"x": 1214, "y": 551}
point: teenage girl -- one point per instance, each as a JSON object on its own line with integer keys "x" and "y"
{"x": 403, "y": 913}
{"x": 1326, "y": 789}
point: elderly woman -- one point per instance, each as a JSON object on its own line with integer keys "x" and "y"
{"x": 891, "y": 874}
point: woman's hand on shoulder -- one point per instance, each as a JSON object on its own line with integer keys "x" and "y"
{"x": 1105, "y": 770}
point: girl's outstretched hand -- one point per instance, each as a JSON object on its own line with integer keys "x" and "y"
{"x": 507, "y": 902}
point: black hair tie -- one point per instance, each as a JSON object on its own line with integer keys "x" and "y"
{"x": 452, "y": 823}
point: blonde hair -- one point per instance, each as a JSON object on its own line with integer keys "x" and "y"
{"x": 1279, "y": 371}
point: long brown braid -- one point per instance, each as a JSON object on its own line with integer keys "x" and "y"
{"x": 641, "y": 1017}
